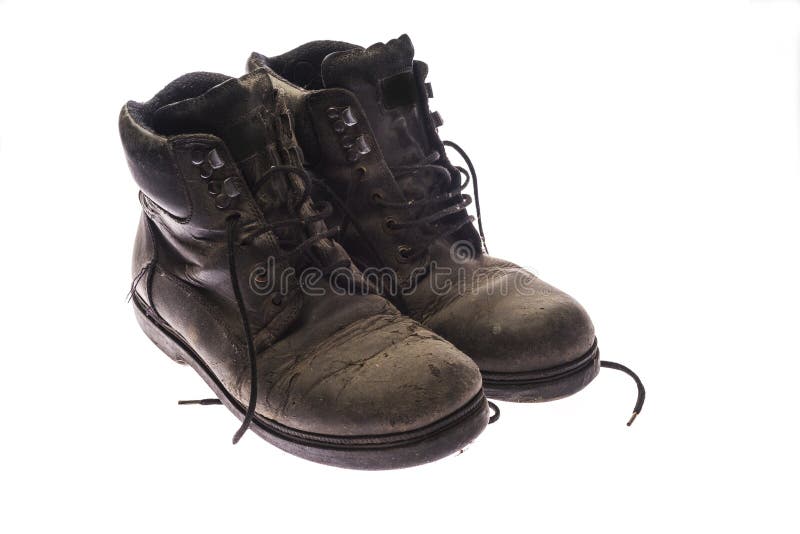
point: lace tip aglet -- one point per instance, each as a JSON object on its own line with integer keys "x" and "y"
{"x": 201, "y": 402}
{"x": 633, "y": 418}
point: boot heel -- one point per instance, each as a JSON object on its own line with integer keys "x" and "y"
{"x": 161, "y": 339}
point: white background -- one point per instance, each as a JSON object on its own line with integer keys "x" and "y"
{"x": 641, "y": 155}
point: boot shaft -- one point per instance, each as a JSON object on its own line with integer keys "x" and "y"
{"x": 371, "y": 139}
{"x": 197, "y": 150}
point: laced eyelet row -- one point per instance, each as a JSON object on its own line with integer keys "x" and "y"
{"x": 354, "y": 144}
{"x": 223, "y": 190}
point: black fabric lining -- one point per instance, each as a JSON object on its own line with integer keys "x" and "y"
{"x": 187, "y": 86}
{"x": 399, "y": 90}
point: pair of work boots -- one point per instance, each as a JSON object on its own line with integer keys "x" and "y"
{"x": 305, "y": 246}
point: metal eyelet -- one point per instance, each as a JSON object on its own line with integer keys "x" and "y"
{"x": 376, "y": 197}
{"x": 389, "y": 224}
{"x": 348, "y": 117}
{"x": 277, "y": 299}
{"x": 214, "y": 159}
{"x": 361, "y": 145}
{"x": 231, "y": 187}
{"x": 223, "y": 201}
{"x": 403, "y": 253}
{"x": 214, "y": 188}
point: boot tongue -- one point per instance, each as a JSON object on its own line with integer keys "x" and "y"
{"x": 384, "y": 81}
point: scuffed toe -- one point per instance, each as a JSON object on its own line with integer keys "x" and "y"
{"x": 532, "y": 327}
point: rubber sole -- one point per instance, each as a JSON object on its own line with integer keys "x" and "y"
{"x": 389, "y": 451}
{"x": 546, "y": 384}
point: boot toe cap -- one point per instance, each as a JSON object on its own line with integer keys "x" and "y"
{"x": 529, "y": 326}
{"x": 391, "y": 376}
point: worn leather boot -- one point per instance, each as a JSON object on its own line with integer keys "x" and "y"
{"x": 371, "y": 140}
{"x": 227, "y": 236}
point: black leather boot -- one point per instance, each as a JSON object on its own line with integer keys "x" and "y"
{"x": 313, "y": 364}
{"x": 372, "y": 142}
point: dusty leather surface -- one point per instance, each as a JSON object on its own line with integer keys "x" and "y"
{"x": 346, "y": 365}
{"x": 527, "y": 326}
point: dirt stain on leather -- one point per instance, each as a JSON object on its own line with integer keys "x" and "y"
{"x": 434, "y": 370}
